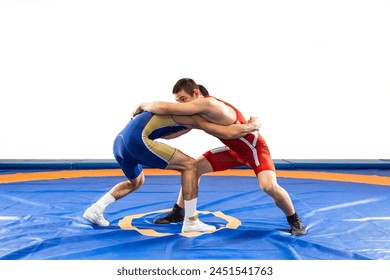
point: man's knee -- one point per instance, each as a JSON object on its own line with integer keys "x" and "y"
{"x": 268, "y": 182}
{"x": 137, "y": 182}
{"x": 190, "y": 164}
{"x": 269, "y": 187}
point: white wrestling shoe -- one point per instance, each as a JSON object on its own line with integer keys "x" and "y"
{"x": 196, "y": 225}
{"x": 94, "y": 214}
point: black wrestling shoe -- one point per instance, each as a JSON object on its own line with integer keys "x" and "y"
{"x": 297, "y": 227}
{"x": 175, "y": 216}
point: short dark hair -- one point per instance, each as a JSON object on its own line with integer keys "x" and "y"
{"x": 203, "y": 90}
{"x": 186, "y": 84}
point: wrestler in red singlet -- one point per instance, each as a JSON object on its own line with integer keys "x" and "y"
{"x": 250, "y": 150}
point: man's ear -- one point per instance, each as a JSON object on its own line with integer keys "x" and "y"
{"x": 196, "y": 92}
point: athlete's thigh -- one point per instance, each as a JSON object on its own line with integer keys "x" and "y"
{"x": 203, "y": 165}
{"x": 130, "y": 166}
{"x": 180, "y": 161}
{"x": 222, "y": 159}
{"x": 152, "y": 153}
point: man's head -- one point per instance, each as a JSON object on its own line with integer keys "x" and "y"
{"x": 186, "y": 90}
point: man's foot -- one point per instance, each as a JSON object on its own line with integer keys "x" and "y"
{"x": 94, "y": 214}
{"x": 297, "y": 227}
{"x": 175, "y": 216}
{"x": 195, "y": 225}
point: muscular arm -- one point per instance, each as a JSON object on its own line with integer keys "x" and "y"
{"x": 183, "y": 109}
{"x": 176, "y": 134}
{"x": 232, "y": 131}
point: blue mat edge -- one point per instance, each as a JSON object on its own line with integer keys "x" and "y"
{"x": 280, "y": 164}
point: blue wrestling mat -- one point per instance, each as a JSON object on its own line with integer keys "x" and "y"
{"x": 41, "y": 219}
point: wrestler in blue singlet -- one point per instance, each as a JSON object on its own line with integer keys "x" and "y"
{"x": 135, "y": 146}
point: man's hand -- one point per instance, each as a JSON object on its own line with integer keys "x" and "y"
{"x": 137, "y": 110}
{"x": 255, "y": 121}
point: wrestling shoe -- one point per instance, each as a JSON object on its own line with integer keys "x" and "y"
{"x": 297, "y": 227}
{"x": 94, "y": 214}
{"x": 195, "y": 225}
{"x": 176, "y": 215}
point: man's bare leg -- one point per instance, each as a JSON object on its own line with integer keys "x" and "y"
{"x": 268, "y": 183}
{"x": 177, "y": 213}
{"x": 94, "y": 213}
{"x": 189, "y": 180}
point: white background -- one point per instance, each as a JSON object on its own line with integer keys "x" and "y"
{"x": 317, "y": 73}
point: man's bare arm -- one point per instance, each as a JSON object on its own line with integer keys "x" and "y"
{"x": 167, "y": 108}
{"x": 232, "y": 131}
{"x": 176, "y": 134}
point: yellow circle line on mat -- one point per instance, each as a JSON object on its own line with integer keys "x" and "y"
{"x": 126, "y": 224}
{"x": 317, "y": 175}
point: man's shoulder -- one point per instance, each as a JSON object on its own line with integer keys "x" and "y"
{"x": 213, "y": 100}
{"x": 206, "y": 101}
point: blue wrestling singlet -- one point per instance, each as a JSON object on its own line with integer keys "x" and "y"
{"x": 135, "y": 146}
